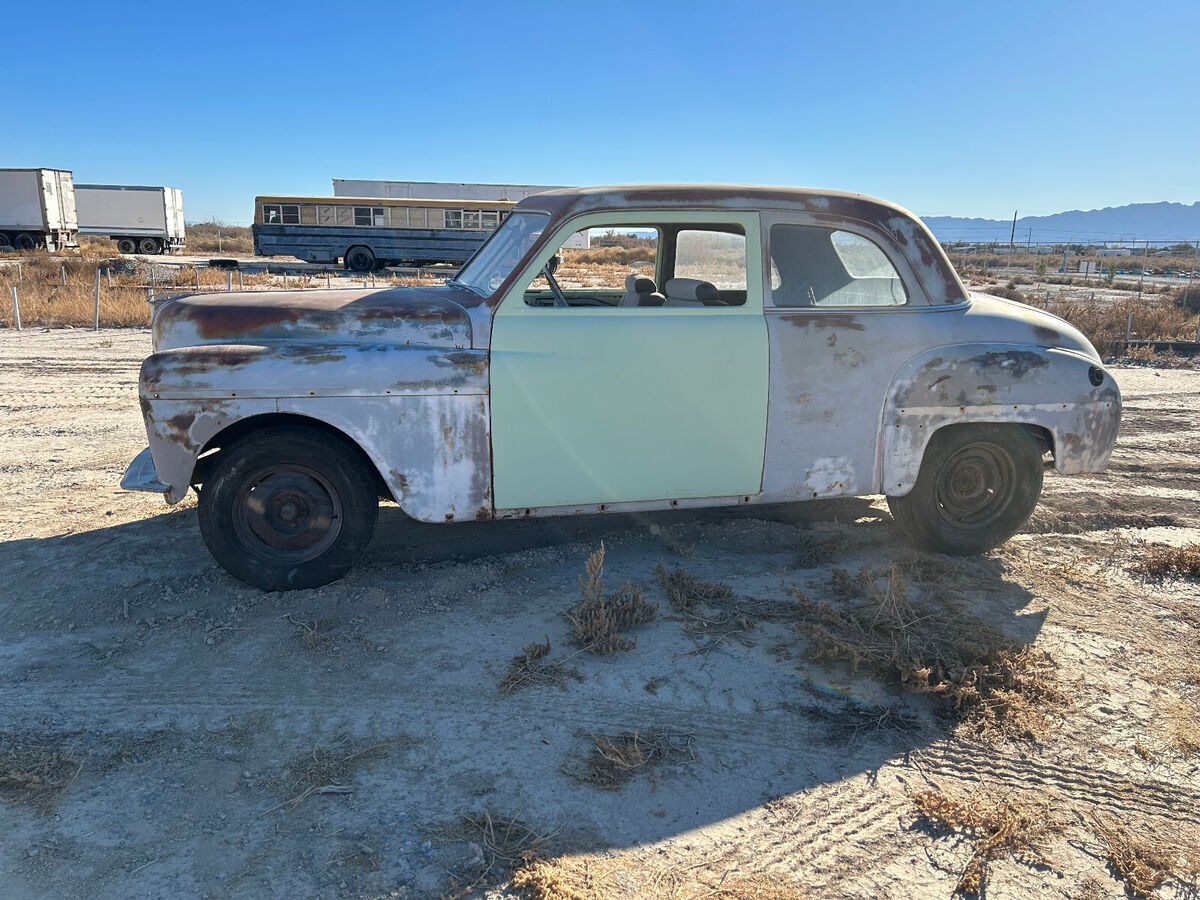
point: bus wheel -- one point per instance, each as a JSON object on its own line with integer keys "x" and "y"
{"x": 127, "y": 246}
{"x": 360, "y": 259}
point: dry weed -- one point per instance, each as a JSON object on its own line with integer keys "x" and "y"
{"x": 327, "y": 770}
{"x": 928, "y": 644}
{"x": 813, "y": 551}
{"x": 501, "y": 844}
{"x": 1142, "y": 863}
{"x": 1159, "y": 562}
{"x": 996, "y": 826}
{"x": 685, "y": 591}
{"x": 596, "y": 619}
{"x": 617, "y": 758}
{"x": 34, "y": 774}
{"x": 530, "y": 669}
{"x": 1184, "y": 721}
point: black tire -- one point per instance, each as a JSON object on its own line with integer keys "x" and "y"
{"x": 977, "y": 486}
{"x": 5, "y": 241}
{"x": 360, "y": 259}
{"x": 149, "y": 246}
{"x": 288, "y": 507}
{"x": 25, "y": 242}
{"x": 127, "y": 246}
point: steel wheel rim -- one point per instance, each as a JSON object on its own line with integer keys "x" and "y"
{"x": 976, "y": 484}
{"x": 288, "y": 513}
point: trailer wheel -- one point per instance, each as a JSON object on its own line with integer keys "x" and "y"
{"x": 5, "y": 243}
{"x": 24, "y": 241}
{"x": 360, "y": 259}
{"x": 149, "y": 246}
{"x": 126, "y": 246}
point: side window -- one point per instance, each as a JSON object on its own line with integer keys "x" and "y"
{"x": 597, "y": 265}
{"x": 812, "y": 266}
{"x": 362, "y": 215}
{"x": 345, "y": 215}
{"x": 454, "y": 218}
{"x": 326, "y": 215}
{"x": 308, "y": 215}
{"x": 718, "y": 257}
{"x": 270, "y": 214}
{"x": 291, "y": 215}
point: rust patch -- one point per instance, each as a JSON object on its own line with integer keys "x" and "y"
{"x": 483, "y": 513}
{"x": 218, "y": 321}
{"x": 181, "y": 424}
{"x": 1017, "y": 363}
{"x": 1049, "y": 335}
{"x": 824, "y": 320}
{"x": 832, "y": 342}
{"x": 474, "y": 360}
{"x": 145, "y": 405}
{"x": 939, "y": 380}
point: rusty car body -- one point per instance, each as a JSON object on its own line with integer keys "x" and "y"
{"x": 833, "y": 352}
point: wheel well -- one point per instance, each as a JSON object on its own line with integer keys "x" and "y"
{"x": 211, "y": 451}
{"x": 1041, "y": 435}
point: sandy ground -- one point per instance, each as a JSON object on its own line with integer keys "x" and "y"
{"x": 192, "y": 704}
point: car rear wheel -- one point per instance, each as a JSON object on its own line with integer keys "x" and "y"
{"x": 977, "y": 486}
{"x": 288, "y": 508}
{"x": 360, "y": 259}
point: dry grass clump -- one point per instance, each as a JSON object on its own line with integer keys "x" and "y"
{"x": 212, "y": 237}
{"x": 327, "y": 770}
{"x": 1160, "y": 561}
{"x": 530, "y": 669}
{"x": 813, "y": 551}
{"x": 34, "y": 774}
{"x": 1142, "y": 863}
{"x": 596, "y": 619}
{"x": 995, "y": 826}
{"x": 927, "y": 643}
{"x": 617, "y": 758}
{"x": 1184, "y": 734}
{"x": 501, "y": 844}
{"x": 46, "y": 301}
{"x": 685, "y": 591}
{"x": 1104, "y": 322}
{"x": 593, "y": 877}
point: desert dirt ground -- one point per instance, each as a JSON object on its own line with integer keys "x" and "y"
{"x": 198, "y": 737}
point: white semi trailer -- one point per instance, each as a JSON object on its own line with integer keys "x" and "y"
{"x": 436, "y": 190}
{"x": 140, "y": 219}
{"x": 37, "y": 209}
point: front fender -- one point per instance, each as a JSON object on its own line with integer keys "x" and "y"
{"x": 1014, "y": 383}
{"x": 419, "y": 414}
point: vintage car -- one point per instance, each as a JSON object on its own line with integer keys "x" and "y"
{"x": 749, "y": 345}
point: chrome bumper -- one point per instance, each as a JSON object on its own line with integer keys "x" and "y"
{"x": 140, "y": 476}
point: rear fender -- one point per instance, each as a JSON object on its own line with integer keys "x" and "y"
{"x": 1014, "y": 383}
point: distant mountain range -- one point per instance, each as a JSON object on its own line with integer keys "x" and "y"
{"x": 1137, "y": 221}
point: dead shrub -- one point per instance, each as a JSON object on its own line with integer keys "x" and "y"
{"x": 813, "y": 551}
{"x": 1104, "y": 322}
{"x": 34, "y": 774}
{"x": 1158, "y": 562}
{"x": 501, "y": 844}
{"x": 327, "y": 770}
{"x": 616, "y": 759}
{"x": 1184, "y": 734}
{"x": 685, "y": 591}
{"x": 1142, "y": 863}
{"x": 596, "y": 619}
{"x": 995, "y": 827}
{"x": 530, "y": 669}
{"x": 927, "y": 643}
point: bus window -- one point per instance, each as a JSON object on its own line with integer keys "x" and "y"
{"x": 326, "y": 215}
{"x": 362, "y": 215}
{"x": 490, "y": 218}
{"x": 470, "y": 219}
{"x": 398, "y": 217}
{"x": 454, "y": 218}
{"x": 270, "y": 214}
{"x": 345, "y": 215}
{"x": 416, "y": 217}
{"x": 434, "y": 218}
{"x": 378, "y": 217}
{"x": 308, "y": 214}
{"x": 291, "y": 214}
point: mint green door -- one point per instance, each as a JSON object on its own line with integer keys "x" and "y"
{"x": 600, "y": 404}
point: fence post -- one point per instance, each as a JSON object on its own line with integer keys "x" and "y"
{"x": 285, "y": 279}
{"x": 152, "y": 280}
{"x": 20, "y": 274}
{"x": 62, "y": 272}
{"x": 16, "y": 309}
{"x": 239, "y": 279}
{"x": 108, "y": 276}
{"x": 96, "y": 317}
{"x": 197, "y": 278}
{"x": 1128, "y": 330}
{"x": 327, "y": 279}
{"x": 228, "y": 281}
{"x": 372, "y": 279}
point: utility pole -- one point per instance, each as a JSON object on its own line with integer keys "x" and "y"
{"x": 1012, "y": 237}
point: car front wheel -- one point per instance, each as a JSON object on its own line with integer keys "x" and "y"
{"x": 288, "y": 508}
{"x": 977, "y": 486}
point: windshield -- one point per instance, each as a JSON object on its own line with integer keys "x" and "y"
{"x": 487, "y": 269}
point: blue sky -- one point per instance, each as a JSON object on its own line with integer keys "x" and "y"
{"x": 946, "y": 108}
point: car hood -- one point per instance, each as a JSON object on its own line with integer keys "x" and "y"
{"x": 423, "y": 316}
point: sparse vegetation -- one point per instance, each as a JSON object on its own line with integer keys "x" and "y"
{"x": 530, "y": 668}
{"x": 1157, "y": 562}
{"x": 34, "y": 774}
{"x": 995, "y": 825}
{"x": 502, "y": 844}
{"x": 1144, "y": 864}
{"x": 616, "y": 759}
{"x": 925, "y": 641}
{"x": 813, "y": 550}
{"x": 328, "y": 769}
{"x": 597, "y": 619}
